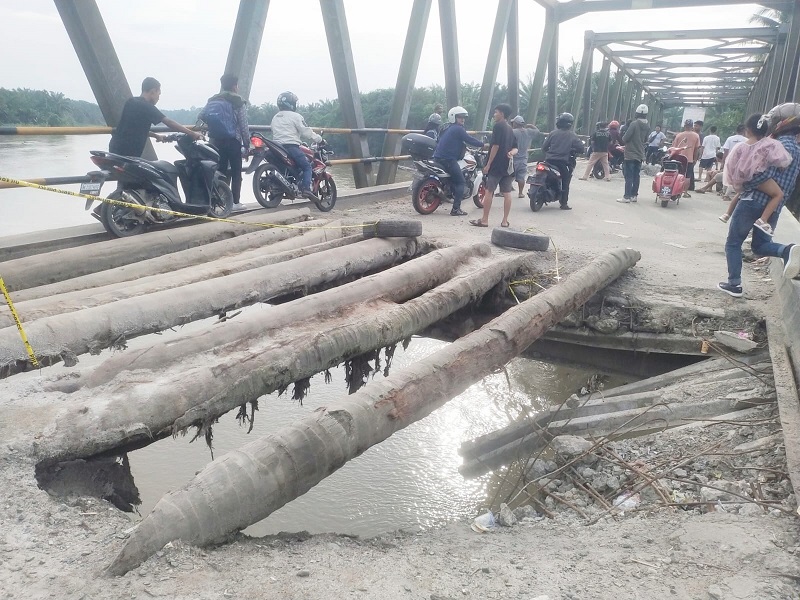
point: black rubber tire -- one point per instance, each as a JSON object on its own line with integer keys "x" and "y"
{"x": 221, "y": 199}
{"x": 118, "y": 220}
{"x": 537, "y": 199}
{"x": 424, "y": 201}
{"x": 509, "y": 238}
{"x": 326, "y": 192}
{"x": 389, "y": 228}
{"x": 478, "y": 198}
{"x": 261, "y": 188}
{"x": 597, "y": 171}
{"x": 664, "y": 203}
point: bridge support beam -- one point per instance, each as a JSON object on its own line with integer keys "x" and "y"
{"x": 452, "y": 76}
{"x": 406, "y": 76}
{"x": 790, "y": 87}
{"x": 601, "y": 102}
{"x": 552, "y": 82}
{"x": 89, "y": 37}
{"x": 613, "y": 99}
{"x": 512, "y": 57}
{"x": 584, "y": 80}
{"x": 344, "y": 72}
{"x": 246, "y": 42}
{"x": 493, "y": 62}
{"x": 548, "y": 38}
{"x": 777, "y": 57}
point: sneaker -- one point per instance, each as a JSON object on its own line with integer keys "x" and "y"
{"x": 238, "y": 206}
{"x": 635, "y": 199}
{"x": 624, "y": 200}
{"x": 457, "y": 212}
{"x": 730, "y": 289}
{"x": 724, "y": 218}
{"x": 791, "y": 261}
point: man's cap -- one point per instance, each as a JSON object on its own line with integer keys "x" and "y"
{"x": 518, "y": 120}
{"x": 688, "y": 123}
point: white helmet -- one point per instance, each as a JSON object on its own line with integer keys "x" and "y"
{"x": 459, "y": 111}
{"x": 642, "y": 109}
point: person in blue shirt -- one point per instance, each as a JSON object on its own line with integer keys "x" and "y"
{"x": 450, "y": 149}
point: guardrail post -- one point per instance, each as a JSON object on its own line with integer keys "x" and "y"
{"x": 246, "y": 42}
{"x": 406, "y": 75}
{"x": 452, "y": 77}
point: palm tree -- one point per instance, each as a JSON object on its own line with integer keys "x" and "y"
{"x": 768, "y": 17}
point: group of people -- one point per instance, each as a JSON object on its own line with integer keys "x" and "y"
{"x": 225, "y": 115}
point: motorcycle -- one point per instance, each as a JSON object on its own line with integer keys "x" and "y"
{"x": 152, "y": 185}
{"x": 656, "y": 157}
{"x": 671, "y": 181}
{"x": 544, "y": 186}
{"x": 275, "y": 175}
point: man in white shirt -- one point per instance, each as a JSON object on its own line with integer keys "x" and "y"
{"x": 710, "y": 145}
{"x": 731, "y": 142}
{"x": 654, "y": 141}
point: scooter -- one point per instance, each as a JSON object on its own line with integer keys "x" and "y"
{"x": 545, "y": 184}
{"x": 275, "y": 176}
{"x": 671, "y": 181}
{"x": 152, "y": 186}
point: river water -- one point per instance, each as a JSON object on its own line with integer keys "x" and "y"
{"x": 409, "y": 481}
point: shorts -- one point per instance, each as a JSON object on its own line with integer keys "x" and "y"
{"x": 506, "y": 183}
{"x": 706, "y": 163}
{"x": 520, "y": 170}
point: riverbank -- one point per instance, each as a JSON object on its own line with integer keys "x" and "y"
{"x": 57, "y": 548}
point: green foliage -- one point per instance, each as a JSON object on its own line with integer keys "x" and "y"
{"x": 43, "y": 108}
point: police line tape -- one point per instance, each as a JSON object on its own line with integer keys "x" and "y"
{"x": 14, "y": 314}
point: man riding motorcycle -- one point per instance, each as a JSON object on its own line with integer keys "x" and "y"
{"x": 560, "y": 149}
{"x": 289, "y": 129}
{"x": 450, "y": 149}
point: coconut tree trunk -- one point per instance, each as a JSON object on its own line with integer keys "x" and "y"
{"x": 247, "y": 485}
{"x": 316, "y": 240}
{"x": 42, "y": 269}
{"x": 96, "y": 328}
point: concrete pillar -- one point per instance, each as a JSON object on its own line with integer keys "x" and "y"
{"x": 97, "y": 56}
{"x": 584, "y": 75}
{"x": 552, "y": 82}
{"x": 614, "y": 97}
{"x": 452, "y": 77}
{"x": 246, "y": 42}
{"x": 344, "y": 73}
{"x": 548, "y": 36}
{"x": 406, "y": 76}
{"x": 598, "y": 112}
{"x": 493, "y": 62}
{"x": 512, "y": 57}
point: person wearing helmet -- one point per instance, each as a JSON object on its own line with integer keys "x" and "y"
{"x": 524, "y": 134}
{"x": 753, "y": 201}
{"x": 614, "y": 143}
{"x": 560, "y": 149}
{"x": 289, "y": 129}
{"x": 450, "y": 149}
{"x": 635, "y": 140}
{"x": 432, "y": 128}
{"x": 599, "y": 147}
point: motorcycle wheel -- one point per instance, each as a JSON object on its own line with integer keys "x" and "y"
{"x": 478, "y": 198}
{"x": 221, "y": 200}
{"x": 426, "y": 196}
{"x": 597, "y": 171}
{"x": 537, "y": 199}
{"x": 326, "y": 192}
{"x": 261, "y": 187}
{"x": 664, "y": 203}
{"x": 120, "y": 221}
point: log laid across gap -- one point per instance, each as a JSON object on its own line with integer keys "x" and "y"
{"x": 247, "y": 485}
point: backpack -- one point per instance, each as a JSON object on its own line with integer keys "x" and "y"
{"x": 220, "y": 119}
{"x": 601, "y": 140}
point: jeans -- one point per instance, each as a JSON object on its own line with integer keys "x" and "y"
{"x": 457, "y": 182}
{"x": 302, "y": 163}
{"x": 631, "y": 172}
{"x": 741, "y": 222}
{"x": 566, "y": 178}
{"x": 230, "y": 163}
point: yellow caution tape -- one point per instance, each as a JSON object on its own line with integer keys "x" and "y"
{"x": 167, "y": 211}
{"x": 19, "y": 323}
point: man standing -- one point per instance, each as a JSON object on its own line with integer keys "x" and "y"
{"x": 731, "y": 141}
{"x": 226, "y": 116}
{"x": 599, "y": 145}
{"x": 751, "y": 205}
{"x": 524, "y": 134}
{"x": 710, "y": 144}
{"x": 689, "y": 143}
{"x": 560, "y": 149}
{"x": 635, "y": 139}
{"x": 654, "y": 141}
{"x": 450, "y": 150}
{"x": 130, "y": 135}
{"x": 503, "y": 147}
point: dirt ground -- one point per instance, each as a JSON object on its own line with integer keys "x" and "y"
{"x": 56, "y": 548}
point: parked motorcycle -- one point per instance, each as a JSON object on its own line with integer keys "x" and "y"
{"x": 275, "y": 175}
{"x": 431, "y": 184}
{"x": 544, "y": 186}
{"x": 153, "y": 184}
{"x": 671, "y": 181}
{"x": 614, "y": 163}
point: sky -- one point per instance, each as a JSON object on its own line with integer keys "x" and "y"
{"x": 184, "y": 43}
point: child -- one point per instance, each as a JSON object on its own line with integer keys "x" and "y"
{"x": 751, "y": 157}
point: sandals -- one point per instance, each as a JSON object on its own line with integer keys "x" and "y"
{"x": 724, "y": 217}
{"x": 763, "y": 226}
{"x": 477, "y": 223}
{"x": 506, "y": 224}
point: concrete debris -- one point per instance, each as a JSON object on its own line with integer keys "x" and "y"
{"x": 735, "y": 342}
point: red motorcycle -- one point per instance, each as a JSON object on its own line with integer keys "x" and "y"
{"x": 275, "y": 175}
{"x": 671, "y": 181}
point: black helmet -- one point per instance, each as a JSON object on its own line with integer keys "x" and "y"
{"x": 287, "y": 101}
{"x": 564, "y": 121}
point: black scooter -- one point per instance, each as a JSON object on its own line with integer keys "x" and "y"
{"x": 152, "y": 185}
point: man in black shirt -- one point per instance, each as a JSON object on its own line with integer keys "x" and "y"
{"x": 499, "y": 169}
{"x": 130, "y": 134}
{"x": 560, "y": 149}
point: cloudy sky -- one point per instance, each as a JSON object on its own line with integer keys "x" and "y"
{"x": 184, "y": 43}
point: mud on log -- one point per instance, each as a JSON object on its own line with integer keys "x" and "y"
{"x": 247, "y": 485}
